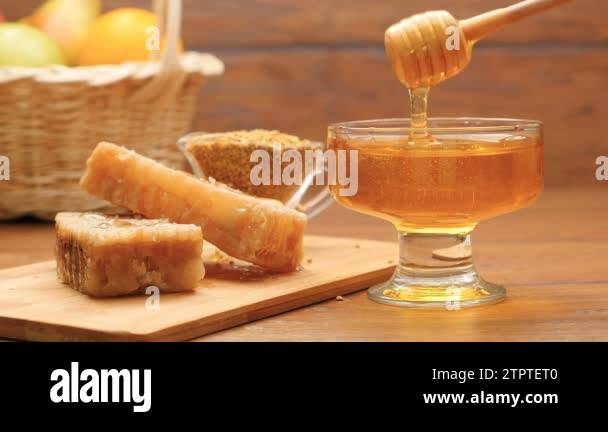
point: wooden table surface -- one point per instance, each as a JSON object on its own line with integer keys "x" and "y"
{"x": 552, "y": 257}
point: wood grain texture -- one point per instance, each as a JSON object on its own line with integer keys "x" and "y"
{"x": 531, "y": 313}
{"x": 551, "y": 257}
{"x": 255, "y": 23}
{"x": 34, "y": 305}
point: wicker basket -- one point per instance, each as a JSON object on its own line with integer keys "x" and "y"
{"x": 52, "y": 118}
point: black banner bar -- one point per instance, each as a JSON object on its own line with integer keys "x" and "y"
{"x": 158, "y": 379}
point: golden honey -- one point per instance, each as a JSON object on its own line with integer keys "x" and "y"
{"x": 443, "y": 186}
{"x": 436, "y": 179}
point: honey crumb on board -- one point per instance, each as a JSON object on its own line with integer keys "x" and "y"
{"x": 309, "y": 261}
{"x": 357, "y": 246}
{"x": 339, "y": 298}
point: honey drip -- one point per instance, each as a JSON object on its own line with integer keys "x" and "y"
{"x": 418, "y": 114}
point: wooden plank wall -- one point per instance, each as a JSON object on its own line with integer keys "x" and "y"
{"x": 299, "y": 65}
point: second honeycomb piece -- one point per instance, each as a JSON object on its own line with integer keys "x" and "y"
{"x": 105, "y": 256}
{"x": 260, "y": 231}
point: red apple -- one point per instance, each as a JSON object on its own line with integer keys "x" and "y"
{"x": 67, "y": 22}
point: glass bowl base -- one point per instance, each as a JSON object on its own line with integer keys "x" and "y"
{"x": 450, "y": 293}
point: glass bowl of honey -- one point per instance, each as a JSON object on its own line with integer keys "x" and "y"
{"x": 435, "y": 186}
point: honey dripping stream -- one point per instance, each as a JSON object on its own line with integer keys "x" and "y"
{"x": 419, "y": 133}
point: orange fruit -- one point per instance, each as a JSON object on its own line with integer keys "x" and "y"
{"x": 119, "y": 36}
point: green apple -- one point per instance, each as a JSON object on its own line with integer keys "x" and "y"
{"x": 23, "y": 45}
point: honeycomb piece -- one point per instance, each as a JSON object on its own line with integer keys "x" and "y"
{"x": 106, "y": 256}
{"x": 260, "y": 231}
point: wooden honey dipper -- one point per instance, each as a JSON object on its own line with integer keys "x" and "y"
{"x": 422, "y": 53}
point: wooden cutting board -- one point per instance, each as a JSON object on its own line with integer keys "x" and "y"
{"x": 35, "y": 306}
